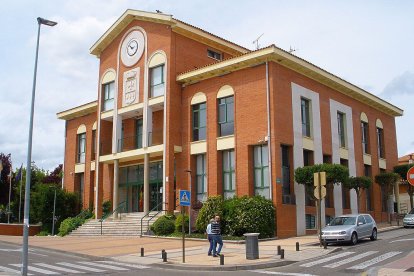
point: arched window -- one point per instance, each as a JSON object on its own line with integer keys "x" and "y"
{"x": 364, "y": 133}
{"x": 81, "y": 144}
{"x": 108, "y": 90}
{"x": 199, "y": 116}
{"x": 225, "y": 101}
{"x": 156, "y": 67}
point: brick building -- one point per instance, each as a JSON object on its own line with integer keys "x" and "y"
{"x": 175, "y": 102}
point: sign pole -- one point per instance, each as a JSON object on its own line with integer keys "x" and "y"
{"x": 320, "y": 208}
{"x": 183, "y": 231}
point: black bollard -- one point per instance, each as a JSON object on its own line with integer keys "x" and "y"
{"x": 221, "y": 259}
{"x": 297, "y": 246}
{"x": 142, "y": 251}
{"x": 164, "y": 258}
{"x": 162, "y": 254}
{"x": 325, "y": 244}
{"x": 278, "y": 249}
{"x": 282, "y": 253}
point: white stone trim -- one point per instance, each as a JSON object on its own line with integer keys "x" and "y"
{"x": 81, "y": 129}
{"x": 199, "y": 97}
{"x": 297, "y": 93}
{"x": 225, "y": 91}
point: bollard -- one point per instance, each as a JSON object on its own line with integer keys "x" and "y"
{"x": 142, "y": 251}
{"x": 164, "y": 258}
{"x": 325, "y": 244}
{"x": 162, "y": 253}
{"x": 221, "y": 259}
{"x": 278, "y": 249}
{"x": 282, "y": 253}
{"x": 297, "y": 246}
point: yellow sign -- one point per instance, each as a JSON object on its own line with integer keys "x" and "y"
{"x": 316, "y": 192}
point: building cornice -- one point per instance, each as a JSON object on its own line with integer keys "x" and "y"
{"x": 286, "y": 59}
{"x": 177, "y": 26}
{"x": 78, "y": 111}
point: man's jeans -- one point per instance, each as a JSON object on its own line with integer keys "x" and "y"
{"x": 210, "y": 240}
{"x": 217, "y": 240}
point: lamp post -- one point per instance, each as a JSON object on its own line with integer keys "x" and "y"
{"x": 54, "y": 217}
{"x": 189, "y": 207}
{"x": 40, "y": 21}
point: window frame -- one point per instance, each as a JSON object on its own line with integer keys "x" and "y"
{"x": 341, "y": 118}
{"x": 108, "y": 103}
{"x": 223, "y": 102}
{"x": 196, "y": 111}
{"x": 81, "y": 155}
{"x": 152, "y": 85}
{"x": 201, "y": 195}
{"x": 264, "y": 164}
{"x": 310, "y": 222}
{"x": 230, "y": 171}
{"x": 365, "y": 137}
{"x": 380, "y": 143}
{"x": 214, "y": 55}
{"x": 305, "y": 111}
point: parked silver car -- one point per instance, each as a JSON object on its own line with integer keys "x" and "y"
{"x": 409, "y": 219}
{"x": 350, "y": 228}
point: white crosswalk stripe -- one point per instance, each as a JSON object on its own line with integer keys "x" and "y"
{"x": 124, "y": 264}
{"x": 375, "y": 260}
{"x": 81, "y": 267}
{"x": 105, "y": 266}
{"x": 35, "y": 269}
{"x": 58, "y": 268}
{"x": 325, "y": 260}
{"x": 9, "y": 270}
{"x": 352, "y": 259}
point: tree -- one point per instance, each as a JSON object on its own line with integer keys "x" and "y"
{"x": 54, "y": 177}
{"x": 402, "y": 170}
{"x": 387, "y": 181}
{"x": 358, "y": 183}
{"x": 4, "y": 178}
{"x": 335, "y": 174}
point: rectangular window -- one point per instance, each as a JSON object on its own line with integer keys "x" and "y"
{"x": 327, "y": 159}
{"x": 157, "y": 82}
{"x": 226, "y": 116}
{"x": 199, "y": 122}
{"x": 81, "y": 148}
{"x": 307, "y": 158}
{"x": 305, "y": 114}
{"x": 139, "y": 130}
{"x": 109, "y": 93}
{"x": 345, "y": 191}
{"x": 380, "y": 142}
{"x": 201, "y": 177}
{"x": 229, "y": 175}
{"x": 365, "y": 138}
{"x": 213, "y": 54}
{"x": 341, "y": 129}
{"x": 285, "y": 170}
{"x": 261, "y": 171}
{"x": 310, "y": 221}
{"x": 368, "y": 192}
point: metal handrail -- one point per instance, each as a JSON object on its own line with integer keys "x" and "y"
{"x": 121, "y": 205}
{"x": 147, "y": 215}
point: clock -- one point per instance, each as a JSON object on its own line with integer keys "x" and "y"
{"x": 132, "y": 48}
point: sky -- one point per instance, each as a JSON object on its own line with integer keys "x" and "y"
{"x": 367, "y": 43}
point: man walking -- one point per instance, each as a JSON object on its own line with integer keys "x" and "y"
{"x": 216, "y": 234}
{"x": 210, "y": 237}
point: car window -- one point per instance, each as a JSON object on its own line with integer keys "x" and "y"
{"x": 361, "y": 220}
{"x": 343, "y": 221}
{"x": 368, "y": 219}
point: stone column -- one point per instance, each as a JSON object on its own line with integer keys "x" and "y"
{"x": 146, "y": 183}
{"x": 115, "y": 189}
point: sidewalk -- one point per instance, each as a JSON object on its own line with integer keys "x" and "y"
{"x": 127, "y": 249}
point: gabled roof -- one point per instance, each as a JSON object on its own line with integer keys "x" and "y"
{"x": 275, "y": 54}
{"x": 78, "y": 111}
{"x": 176, "y": 25}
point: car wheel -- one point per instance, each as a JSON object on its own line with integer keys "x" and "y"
{"x": 354, "y": 238}
{"x": 374, "y": 235}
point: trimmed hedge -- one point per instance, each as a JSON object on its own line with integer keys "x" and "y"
{"x": 70, "y": 224}
{"x": 213, "y": 206}
{"x": 164, "y": 225}
{"x": 179, "y": 223}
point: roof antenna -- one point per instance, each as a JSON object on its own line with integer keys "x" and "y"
{"x": 291, "y": 50}
{"x": 256, "y": 41}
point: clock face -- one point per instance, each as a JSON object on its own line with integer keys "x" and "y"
{"x": 132, "y": 48}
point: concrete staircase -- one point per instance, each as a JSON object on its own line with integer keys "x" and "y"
{"x": 129, "y": 224}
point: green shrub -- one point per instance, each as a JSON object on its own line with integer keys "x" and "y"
{"x": 179, "y": 223}
{"x": 43, "y": 233}
{"x": 212, "y": 206}
{"x": 163, "y": 225}
{"x": 106, "y": 207}
{"x": 70, "y": 224}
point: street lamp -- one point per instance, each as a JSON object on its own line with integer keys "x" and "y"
{"x": 40, "y": 21}
{"x": 189, "y": 208}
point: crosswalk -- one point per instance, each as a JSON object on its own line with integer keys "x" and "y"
{"x": 88, "y": 267}
{"x": 345, "y": 259}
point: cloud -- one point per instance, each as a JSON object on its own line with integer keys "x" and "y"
{"x": 400, "y": 85}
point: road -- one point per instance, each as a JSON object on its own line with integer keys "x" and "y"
{"x": 367, "y": 257}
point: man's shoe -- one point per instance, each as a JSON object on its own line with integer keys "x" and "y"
{"x": 215, "y": 256}
{"x": 209, "y": 254}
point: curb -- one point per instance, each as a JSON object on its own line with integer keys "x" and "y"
{"x": 173, "y": 266}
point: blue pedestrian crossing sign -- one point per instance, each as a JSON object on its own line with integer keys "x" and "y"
{"x": 185, "y": 198}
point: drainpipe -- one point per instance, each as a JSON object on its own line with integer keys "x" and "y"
{"x": 268, "y": 132}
